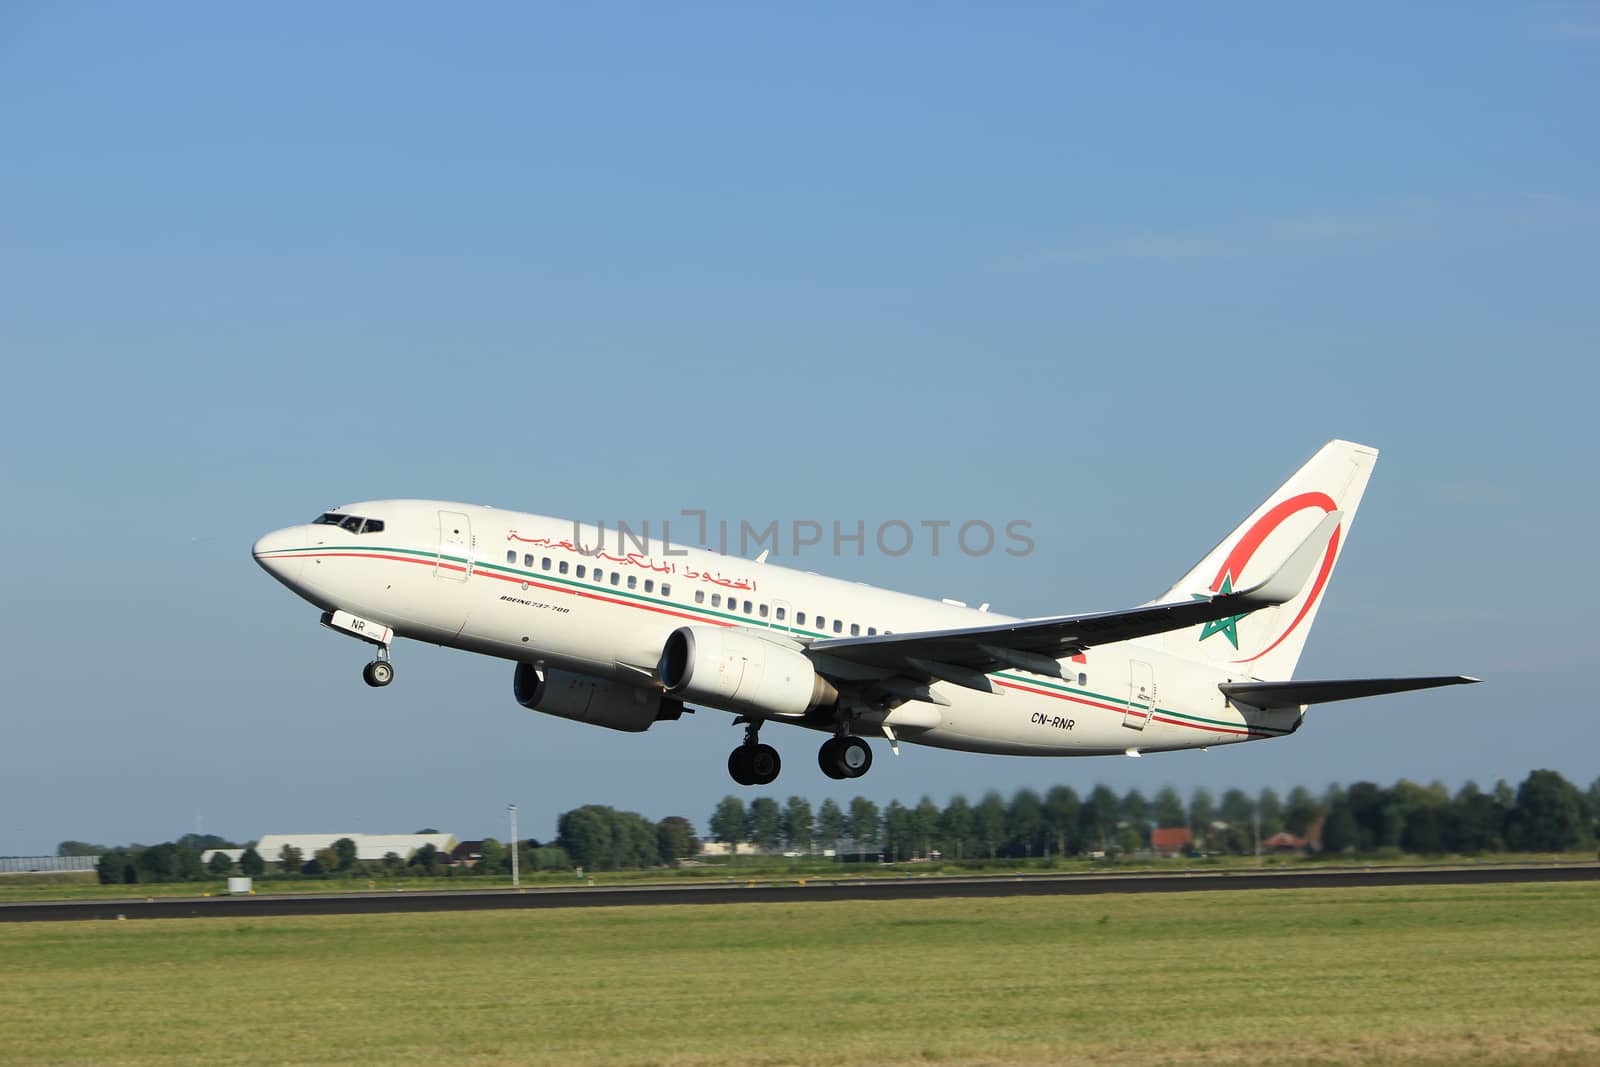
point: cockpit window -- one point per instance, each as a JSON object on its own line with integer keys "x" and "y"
{"x": 356, "y": 524}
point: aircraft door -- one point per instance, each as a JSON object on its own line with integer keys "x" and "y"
{"x": 1141, "y": 695}
{"x": 454, "y": 560}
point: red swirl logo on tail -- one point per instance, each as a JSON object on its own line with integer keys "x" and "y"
{"x": 1252, "y": 540}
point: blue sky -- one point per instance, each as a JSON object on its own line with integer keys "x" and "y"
{"x": 1112, "y": 270}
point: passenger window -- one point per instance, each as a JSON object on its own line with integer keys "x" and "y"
{"x": 1083, "y": 679}
{"x": 822, "y": 624}
{"x": 699, "y": 596}
{"x": 615, "y": 577}
{"x": 563, "y": 567}
{"x": 527, "y": 561}
{"x": 716, "y": 600}
{"x": 544, "y": 564}
{"x": 838, "y": 627}
{"x": 762, "y": 610}
{"x": 666, "y": 590}
{"x": 780, "y": 614}
{"x": 511, "y": 557}
{"x": 855, "y": 629}
{"x": 799, "y": 618}
{"x": 747, "y": 607}
{"x": 580, "y": 570}
{"x": 872, "y": 631}
{"x": 633, "y": 581}
{"x": 649, "y": 585}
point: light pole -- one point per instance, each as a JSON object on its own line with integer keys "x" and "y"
{"x": 516, "y": 873}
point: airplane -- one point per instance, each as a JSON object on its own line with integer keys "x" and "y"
{"x": 627, "y": 639}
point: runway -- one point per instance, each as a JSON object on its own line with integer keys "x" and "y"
{"x": 782, "y": 892}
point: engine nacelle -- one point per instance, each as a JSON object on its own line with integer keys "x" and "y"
{"x": 596, "y": 701}
{"x": 741, "y": 672}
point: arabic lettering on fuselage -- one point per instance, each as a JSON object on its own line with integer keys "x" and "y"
{"x": 635, "y": 559}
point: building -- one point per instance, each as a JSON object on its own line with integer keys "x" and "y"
{"x": 369, "y": 847}
{"x": 1170, "y": 841}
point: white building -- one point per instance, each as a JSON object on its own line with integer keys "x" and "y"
{"x": 369, "y": 847}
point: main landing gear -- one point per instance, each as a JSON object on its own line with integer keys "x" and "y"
{"x": 844, "y": 756}
{"x": 380, "y": 672}
{"x": 753, "y": 763}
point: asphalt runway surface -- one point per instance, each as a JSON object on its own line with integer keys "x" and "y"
{"x": 783, "y": 892}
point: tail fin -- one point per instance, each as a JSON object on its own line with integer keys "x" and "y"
{"x": 1267, "y": 643}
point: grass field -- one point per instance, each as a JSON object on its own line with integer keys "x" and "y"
{"x": 1501, "y": 974}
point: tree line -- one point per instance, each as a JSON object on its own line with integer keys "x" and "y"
{"x": 1545, "y": 813}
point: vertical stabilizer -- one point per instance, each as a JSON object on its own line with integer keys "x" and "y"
{"x": 1267, "y": 643}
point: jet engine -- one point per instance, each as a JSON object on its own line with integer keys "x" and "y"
{"x": 596, "y": 701}
{"x": 739, "y": 671}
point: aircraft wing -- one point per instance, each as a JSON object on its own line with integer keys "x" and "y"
{"x": 964, "y": 656}
{"x": 1289, "y": 694}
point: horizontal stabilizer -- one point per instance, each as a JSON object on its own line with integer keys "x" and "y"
{"x": 1290, "y": 694}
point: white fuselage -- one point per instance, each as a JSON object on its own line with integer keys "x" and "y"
{"x": 524, "y": 587}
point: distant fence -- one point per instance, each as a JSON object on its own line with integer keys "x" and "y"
{"x": 35, "y": 864}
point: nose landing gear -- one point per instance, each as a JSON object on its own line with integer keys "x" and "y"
{"x": 753, "y": 763}
{"x": 380, "y": 672}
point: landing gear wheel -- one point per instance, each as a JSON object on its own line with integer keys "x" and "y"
{"x": 754, "y": 764}
{"x": 739, "y": 765}
{"x": 844, "y": 757}
{"x": 828, "y": 759}
{"x": 378, "y": 673}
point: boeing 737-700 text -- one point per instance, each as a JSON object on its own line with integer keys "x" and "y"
{"x": 624, "y": 640}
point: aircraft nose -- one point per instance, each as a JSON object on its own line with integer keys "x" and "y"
{"x": 277, "y": 552}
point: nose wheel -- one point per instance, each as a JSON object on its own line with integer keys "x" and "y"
{"x": 380, "y": 672}
{"x": 844, "y": 757}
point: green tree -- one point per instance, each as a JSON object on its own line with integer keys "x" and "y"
{"x": 1550, "y": 815}
{"x": 1098, "y": 818}
{"x": 159, "y": 863}
{"x": 729, "y": 823}
{"x": 219, "y": 864}
{"x": 865, "y": 824}
{"x": 344, "y": 851}
{"x": 1303, "y": 811}
{"x": 492, "y": 856}
{"x": 766, "y": 823}
{"x": 204, "y": 842}
{"x": 797, "y": 823}
{"x": 291, "y": 859}
{"x": 1479, "y": 821}
{"x": 830, "y": 824}
{"x": 118, "y": 866}
{"x": 1202, "y": 813}
{"x": 955, "y": 826}
{"x": 675, "y": 839}
{"x": 989, "y": 823}
{"x": 899, "y": 836}
{"x": 323, "y": 861}
{"x": 1025, "y": 824}
{"x": 1269, "y": 810}
{"x": 925, "y": 825}
{"x": 1061, "y": 807}
{"x": 1340, "y": 833}
{"x": 80, "y": 848}
{"x": 1169, "y": 811}
{"x": 426, "y": 859}
{"x": 251, "y": 863}
{"x": 1136, "y": 814}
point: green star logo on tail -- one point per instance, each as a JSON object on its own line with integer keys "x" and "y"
{"x": 1228, "y": 627}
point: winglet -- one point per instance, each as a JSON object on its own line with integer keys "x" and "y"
{"x": 1292, "y": 575}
